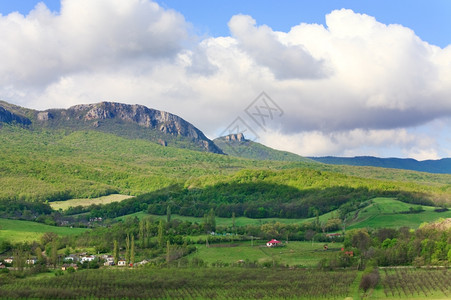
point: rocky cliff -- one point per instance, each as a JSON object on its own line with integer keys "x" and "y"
{"x": 7, "y": 116}
{"x": 133, "y": 121}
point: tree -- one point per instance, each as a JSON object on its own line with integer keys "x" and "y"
{"x": 160, "y": 234}
{"x": 233, "y": 221}
{"x": 127, "y": 248}
{"x": 54, "y": 254}
{"x": 210, "y": 221}
{"x": 142, "y": 234}
{"x": 168, "y": 252}
{"x": 132, "y": 250}
{"x": 168, "y": 214}
{"x": 115, "y": 252}
{"x": 19, "y": 259}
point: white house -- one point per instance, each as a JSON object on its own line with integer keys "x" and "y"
{"x": 122, "y": 263}
{"x": 9, "y": 260}
{"x": 88, "y": 258}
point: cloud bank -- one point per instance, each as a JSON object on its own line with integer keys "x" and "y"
{"x": 353, "y": 87}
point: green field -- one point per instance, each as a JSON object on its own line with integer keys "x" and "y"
{"x": 385, "y": 212}
{"x": 56, "y": 205}
{"x": 292, "y": 254}
{"x": 16, "y": 231}
{"x": 382, "y": 212}
{"x": 239, "y": 221}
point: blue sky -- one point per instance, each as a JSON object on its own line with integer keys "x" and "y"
{"x": 351, "y": 77}
{"x": 429, "y": 19}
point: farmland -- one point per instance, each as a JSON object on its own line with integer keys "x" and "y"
{"x": 16, "y": 231}
{"x": 292, "y": 254}
{"x": 190, "y": 283}
{"x": 56, "y": 205}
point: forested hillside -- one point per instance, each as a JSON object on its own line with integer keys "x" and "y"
{"x": 49, "y": 165}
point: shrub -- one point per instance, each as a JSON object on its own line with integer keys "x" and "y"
{"x": 369, "y": 280}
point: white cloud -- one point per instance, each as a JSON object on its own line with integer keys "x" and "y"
{"x": 354, "y": 86}
{"x": 265, "y": 46}
{"x": 41, "y": 47}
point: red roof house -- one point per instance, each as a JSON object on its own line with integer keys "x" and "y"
{"x": 273, "y": 243}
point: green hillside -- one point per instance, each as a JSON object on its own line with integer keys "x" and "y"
{"x": 386, "y": 212}
{"x": 59, "y": 165}
{"x": 55, "y": 165}
{"x": 15, "y": 231}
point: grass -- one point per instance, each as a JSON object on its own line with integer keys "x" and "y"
{"x": 385, "y": 212}
{"x": 56, "y": 205}
{"x": 382, "y": 212}
{"x": 293, "y": 254}
{"x": 16, "y": 231}
{"x": 239, "y": 221}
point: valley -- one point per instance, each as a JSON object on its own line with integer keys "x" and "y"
{"x": 115, "y": 195}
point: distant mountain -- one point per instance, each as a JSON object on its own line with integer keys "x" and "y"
{"x": 441, "y": 166}
{"x": 131, "y": 121}
{"x": 238, "y": 145}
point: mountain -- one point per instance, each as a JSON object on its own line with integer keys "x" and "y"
{"x": 238, "y": 145}
{"x": 131, "y": 121}
{"x": 441, "y": 166}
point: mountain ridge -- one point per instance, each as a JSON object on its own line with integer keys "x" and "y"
{"x": 440, "y": 166}
{"x": 134, "y": 121}
{"x": 237, "y": 145}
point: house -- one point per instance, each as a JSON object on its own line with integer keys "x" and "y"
{"x": 333, "y": 235}
{"x": 8, "y": 260}
{"x": 273, "y": 243}
{"x": 143, "y": 262}
{"x": 69, "y": 258}
{"x": 67, "y": 266}
{"x": 122, "y": 263}
{"x": 109, "y": 260}
{"x": 87, "y": 258}
{"x": 31, "y": 261}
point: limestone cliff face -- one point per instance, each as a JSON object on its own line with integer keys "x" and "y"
{"x": 235, "y": 137}
{"x": 96, "y": 116}
{"x": 143, "y": 116}
{"x": 7, "y": 116}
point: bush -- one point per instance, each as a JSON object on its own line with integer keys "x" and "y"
{"x": 369, "y": 280}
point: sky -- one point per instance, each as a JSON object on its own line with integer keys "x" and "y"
{"x": 317, "y": 78}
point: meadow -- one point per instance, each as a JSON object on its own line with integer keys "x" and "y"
{"x": 56, "y": 205}
{"x": 294, "y": 253}
{"x": 388, "y": 212}
{"x": 16, "y": 231}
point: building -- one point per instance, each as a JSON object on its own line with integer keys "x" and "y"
{"x": 9, "y": 260}
{"x": 273, "y": 243}
{"x": 333, "y": 235}
{"x": 122, "y": 263}
{"x": 87, "y": 258}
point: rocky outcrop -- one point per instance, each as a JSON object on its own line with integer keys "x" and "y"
{"x": 236, "y": 137}
{"x": 7, "y": 116}
{"x": 44, "y": 116}
{"x": 159, "y": 126}
{"x": 164, "y": 122}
